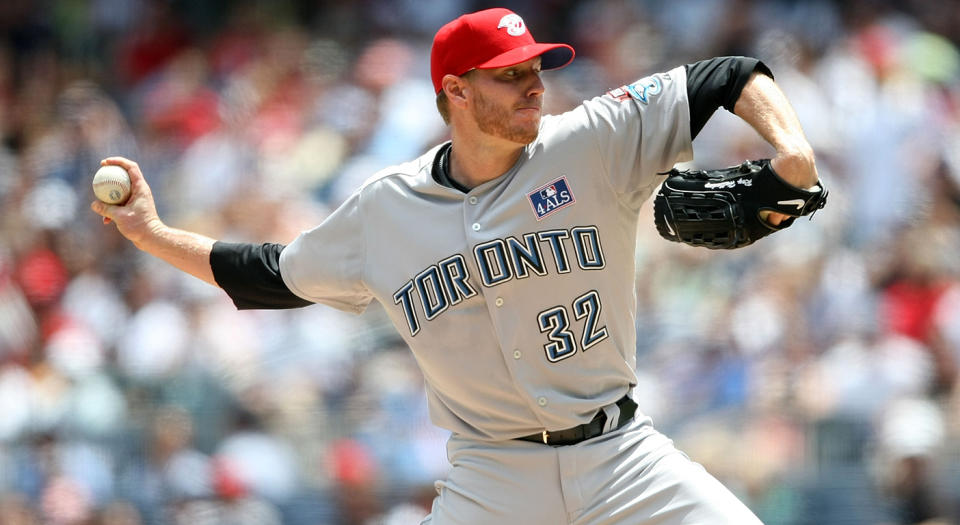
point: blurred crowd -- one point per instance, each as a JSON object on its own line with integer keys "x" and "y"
{"x": 815, "y": 373}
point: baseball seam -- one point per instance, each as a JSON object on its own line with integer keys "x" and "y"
{"x": 110, "y": 184}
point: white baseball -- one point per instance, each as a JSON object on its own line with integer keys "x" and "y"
{"x": 111, "y": 184}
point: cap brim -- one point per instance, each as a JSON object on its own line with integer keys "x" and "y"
{"x": 552, "y": 56}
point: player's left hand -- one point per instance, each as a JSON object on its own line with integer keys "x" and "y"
{"x": 796, "y": 169}
{"x": 734, "y": 207}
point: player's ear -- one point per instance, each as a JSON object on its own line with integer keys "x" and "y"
{"x": 456, "y": 89}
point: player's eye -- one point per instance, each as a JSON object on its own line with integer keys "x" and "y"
{"x": 516, "y": 73}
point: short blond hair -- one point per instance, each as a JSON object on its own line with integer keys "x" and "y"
{"x": 443, "y": 106}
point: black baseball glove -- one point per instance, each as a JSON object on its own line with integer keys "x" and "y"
{"x": 720, "y": 209}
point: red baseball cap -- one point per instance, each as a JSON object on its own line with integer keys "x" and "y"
{"x": 489, "y": 39}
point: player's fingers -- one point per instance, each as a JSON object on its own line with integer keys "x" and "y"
{"x": 773, "y": 217}
{"x": 104, "y": 210}
{"x": 123, "y": 162}
{"x": 133, "y": 169}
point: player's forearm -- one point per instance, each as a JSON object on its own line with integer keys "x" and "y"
{"x": 186, "y": 251}
{"x": 764, "y": 106}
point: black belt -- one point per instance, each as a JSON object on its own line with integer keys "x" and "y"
{"x": 572, "y": 436}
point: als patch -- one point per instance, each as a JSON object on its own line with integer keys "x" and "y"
{"x": 551, "y": 197}
{"x": 642, "y": 90}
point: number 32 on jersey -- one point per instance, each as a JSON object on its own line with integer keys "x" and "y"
{"x": 555, "y": 322}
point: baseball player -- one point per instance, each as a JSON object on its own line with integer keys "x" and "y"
{"x": 505, "y": 258}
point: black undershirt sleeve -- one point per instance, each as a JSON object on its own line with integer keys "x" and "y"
{"x": 715, "y": 83}
{"x": 250, "y": 274}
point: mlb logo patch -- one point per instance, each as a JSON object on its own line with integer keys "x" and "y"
{"x": 551, "y": 197}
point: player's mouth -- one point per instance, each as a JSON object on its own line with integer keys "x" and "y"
{"x": 532, "y": 105}
{"x": 530, "y": 110}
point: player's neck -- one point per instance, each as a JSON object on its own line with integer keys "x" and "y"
{"x": 474, "y": 162}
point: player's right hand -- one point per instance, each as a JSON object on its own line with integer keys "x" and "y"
{"x": 136, "y": 219}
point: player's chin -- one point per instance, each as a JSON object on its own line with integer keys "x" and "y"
{"x": 525, "y": 132}
{"x": 524, "y": 136}
{"x": 527, "y": 117}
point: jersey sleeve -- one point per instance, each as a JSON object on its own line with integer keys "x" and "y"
{"x": 642, "y": 130}
{"x": 326, "y": 264}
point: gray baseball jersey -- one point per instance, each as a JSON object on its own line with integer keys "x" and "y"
{"x": 517, "y": 298}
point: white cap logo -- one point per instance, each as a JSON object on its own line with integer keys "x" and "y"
{"x": 513, "y": 23}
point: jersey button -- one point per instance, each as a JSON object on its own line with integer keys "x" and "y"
{"x": 473, "y": 200}
{"x": 516, "y": 354}
{"x": 499, "y": 301}
{"x": 542, "y": 401}
{"x": 476, "y": 226}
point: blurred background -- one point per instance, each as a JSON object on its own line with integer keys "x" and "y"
{"x": 814, "y": 373}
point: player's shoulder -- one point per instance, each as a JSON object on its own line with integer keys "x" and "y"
{"x": 413, "y": 175}
{"x": 645, "y": 91}
{"x": 409, "y": 171}
{"x": 633, "y": 99}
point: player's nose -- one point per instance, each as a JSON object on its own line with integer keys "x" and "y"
{"x": 536, "y": 86}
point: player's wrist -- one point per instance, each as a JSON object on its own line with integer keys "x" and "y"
{"x": 796, "y": 166}
{"x": 152, "y": 234}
